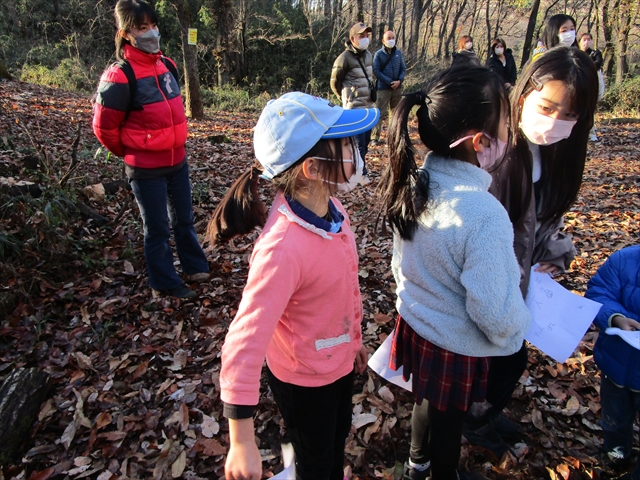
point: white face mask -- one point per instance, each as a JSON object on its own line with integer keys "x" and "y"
{"x": 567, "y": 38}
{"x": 363, "y": 43}
{"x": 543, "y": 130}
{"x": 489, "y": 156}
{"x": 390, "y": 43}
{"x": 468, "y": 45}
{"x": 356, "y": 178}
{"x": 499, "y": 50}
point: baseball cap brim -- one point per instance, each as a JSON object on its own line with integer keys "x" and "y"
{"x": 353, "y": 122}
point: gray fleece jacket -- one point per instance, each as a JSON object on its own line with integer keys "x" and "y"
{"x": 458, "y": 279}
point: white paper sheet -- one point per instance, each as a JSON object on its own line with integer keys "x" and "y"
{"x": 289, "y": 465}
{"x": 631, "y": 337}
{"x": 559, "y": 318}
{"x": 379, "y": 363}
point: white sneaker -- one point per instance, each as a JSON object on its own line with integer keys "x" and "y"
{"x": 593, "y": 137}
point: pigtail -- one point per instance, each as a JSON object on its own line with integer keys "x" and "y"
{"x": 241, "y": 210}
{"x": 403, "y": 188}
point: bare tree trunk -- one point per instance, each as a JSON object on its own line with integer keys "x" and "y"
{"x": 528, "y": 38}
{"x": 622, "y": 40}
{"x": 391, "y": 8}
{"x": 382, "y": 27}
{"x": 360, "y": 12}
{"x": 404, "y": 24}
{"x": 609, "y": 50}
{"x": 193, "y": 102}
{"x": 374, "y": 24}
{"x": 225, "y": 24}
{"x": 487, "y": 21}
{"x": 327, "y": 10}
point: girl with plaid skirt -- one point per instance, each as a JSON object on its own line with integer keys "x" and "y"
{"x": 453, "y": 261}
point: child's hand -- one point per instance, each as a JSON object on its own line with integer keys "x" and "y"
{"x": 361, "y": 360}
{"x": 243, "y": 460}
{"x": 546, "y": 267}
{"x": 625, "y": 323}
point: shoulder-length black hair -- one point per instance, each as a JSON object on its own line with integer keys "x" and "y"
{"x": 131, "y": 14}
{"x": 552, "y": 29}
{"x": 562, "y": 162}
{"x": 454, "y": 102}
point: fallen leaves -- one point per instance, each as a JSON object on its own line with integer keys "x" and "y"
{"x": 136, "y": 377}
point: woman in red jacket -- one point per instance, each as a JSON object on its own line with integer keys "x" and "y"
{"x": 149, "y": 131}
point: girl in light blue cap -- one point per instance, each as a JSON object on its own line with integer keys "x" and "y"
{"x": 301, "y": 307}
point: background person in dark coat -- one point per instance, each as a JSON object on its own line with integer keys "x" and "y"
{"x": 502, "y": 62}
{"x": 390, "y": 69}
{"x": 465, "y": 55}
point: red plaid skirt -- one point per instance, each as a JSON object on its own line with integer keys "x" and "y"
{"x": 444, "y": 378}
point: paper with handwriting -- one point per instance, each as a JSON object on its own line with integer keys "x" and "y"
{"x": 559, "y": 318}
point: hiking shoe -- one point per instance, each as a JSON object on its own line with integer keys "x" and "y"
{"x": 197, "y": 277}
{"x": 486, "y": 437}
{"x": 182, "y": 291}
{"x": 616, "y": 456}
{"x": 411, "y": 473}
{"x": 505, "y": 427}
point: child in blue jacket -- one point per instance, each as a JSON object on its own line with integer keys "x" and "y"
{"x": 616, "y": 285}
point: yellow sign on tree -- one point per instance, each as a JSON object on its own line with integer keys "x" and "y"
{"x": 193, "y": 36}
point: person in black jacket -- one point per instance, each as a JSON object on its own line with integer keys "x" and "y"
{"x": 585, "y": 44}
{"x": 502, "y": 62}
{"x": 466, "y": 55}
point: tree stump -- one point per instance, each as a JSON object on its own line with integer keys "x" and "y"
{"x": 21, "y": 396}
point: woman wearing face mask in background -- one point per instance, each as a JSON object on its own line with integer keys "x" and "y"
{"x": 552, "y": 110}
{"x": 502, "y": 62}
{"x": 559, "y": 30}
{"x": 149, "y": 131}
{"x": 465, "y": 55}
{"x": 585, "y": 43}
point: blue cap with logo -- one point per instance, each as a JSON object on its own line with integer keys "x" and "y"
{"x": 291, "y": 125}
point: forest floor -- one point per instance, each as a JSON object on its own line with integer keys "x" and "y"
{"x": 135, "y": 377}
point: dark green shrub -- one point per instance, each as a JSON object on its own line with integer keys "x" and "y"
{"x": 623, "y": 98}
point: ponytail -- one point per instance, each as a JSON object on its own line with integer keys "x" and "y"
{"x": 241, "y": 210}
{"x": 403, "y": 188}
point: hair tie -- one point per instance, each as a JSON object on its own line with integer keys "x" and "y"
{"x": 423, "y": 98}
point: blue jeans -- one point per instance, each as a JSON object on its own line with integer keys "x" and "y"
{"x": 363, "y": 140}
{"x": 620, "y": 407}
{"x": 165, "y": 204}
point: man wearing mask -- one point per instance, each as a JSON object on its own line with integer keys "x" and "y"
{"x": 389, "y": 68}
{"x": 352, "y": 79}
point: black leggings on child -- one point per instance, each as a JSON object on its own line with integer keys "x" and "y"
{"x": 318, "y": 420}
{"x": 435, "y": 436}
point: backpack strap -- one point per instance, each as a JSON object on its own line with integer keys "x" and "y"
{"x": 127, "y": 69}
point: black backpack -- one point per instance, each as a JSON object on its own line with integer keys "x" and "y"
{"x": 131, "y": 78}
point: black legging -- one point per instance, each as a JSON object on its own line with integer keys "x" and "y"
{"x": 504, "y": 373}
{"x": 435, "y": 436}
